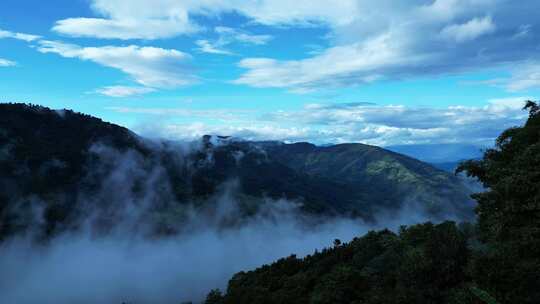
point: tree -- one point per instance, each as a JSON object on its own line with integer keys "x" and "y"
{"x": 214, "y": 297}
{"x": 509, "y": 213}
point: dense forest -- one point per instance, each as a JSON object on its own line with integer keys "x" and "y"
{"x": 495, "y": 260}
{"x": 66, "y": 162}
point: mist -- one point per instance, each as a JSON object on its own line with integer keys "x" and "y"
{"x": 129, "y": 264}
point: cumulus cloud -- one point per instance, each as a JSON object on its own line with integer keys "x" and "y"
{"x": 248, "y": 131}
{"x": 7, "y": 63}
{"x": 149, "y": 66}
{"x": 123, "y": 91}
{"x": 130, "y": 20}
{"x": 139, "y": 19}
{"x": 356, "y": 63}
{"x": 18, "y": 36}
{"x": 399, "y": 124}
{"x": 369, "y": 40}
{"x": 412, "y": 39}
{"x": 381, "y": 125}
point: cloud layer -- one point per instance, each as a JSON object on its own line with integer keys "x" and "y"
{"x": 416, "y": 39}
{"x": 149, "y": 66}
{"x": 348, "y": 122}
{"x": 139, "y": 19}
{"x": 368, "y": 40}
{"x": 112, "y": 257}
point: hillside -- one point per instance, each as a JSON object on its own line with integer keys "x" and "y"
{"x": 373, "y": 171}
{"x": 424, "y": 263}
{"x": 65, "y": 164}
{"x": 496, "y": 260}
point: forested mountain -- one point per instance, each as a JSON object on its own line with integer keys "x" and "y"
{"x": 76, "y": 170}
{"x": 372, "y": 171}
{"x": 64, "y": 163}
{"x": 494, "y": 261}
{"x": 424, "y": 263}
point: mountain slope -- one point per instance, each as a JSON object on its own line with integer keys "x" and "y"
{"x": 64, "y": 164}
{"x": 379, "y": 175}
{"x": 424, "y": 263}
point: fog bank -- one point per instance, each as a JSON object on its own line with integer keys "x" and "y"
{"x": 126, "y": 264}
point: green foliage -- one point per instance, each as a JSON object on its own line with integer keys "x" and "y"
{"x": 509, "y": 213}
{"x": 483, "y": 295}
{"x": 367, "y": 174}
{"x": 214, "y": 297}
{"x": 422, "y": 264}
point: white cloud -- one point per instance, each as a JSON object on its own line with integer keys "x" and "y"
{"x": 248, "y": 132}
{"x": 524, "y": 77}
{"x": 299, "y": 12}
{"x": 18, "y": 36}
{"x": 349, "y": 122}
{"x": 206, "y": 46}
{"x": 141, "y": 19}
{"x": 125, "y": 28}
{"x": 228, "y": 36}
{"x": 369, "y": 40}
{"x": 123, "y": 91}
{"x": 133, "y": 19}
{"x": 149, "y": 66}
{"x": 470, "y": 30}
{"x": 389, "y": 40}
{"x": 7, "y": 63}
{"x": 401, "y": 116}
{"x": 356, "y": 63}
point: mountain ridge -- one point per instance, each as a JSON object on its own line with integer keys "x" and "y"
{"x": 63, "y": 157}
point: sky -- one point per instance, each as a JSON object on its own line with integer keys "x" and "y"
{"x": 377, "y": 72}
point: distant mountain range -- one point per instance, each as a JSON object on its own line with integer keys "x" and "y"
{"x": 63, "y": 164}
{"x": 442, "y": 156}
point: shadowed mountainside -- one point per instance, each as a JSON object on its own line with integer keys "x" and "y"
{"x": 59, "y": 162}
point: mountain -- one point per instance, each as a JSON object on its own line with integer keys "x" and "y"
{"x": 70, "y": 167}
{"x": 439, "y": 153}
{"x": 495, "y": 260}
{"x": 442, "y": 156}
{"x": 377, "y": 175}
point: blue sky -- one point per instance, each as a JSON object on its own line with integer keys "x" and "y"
{"x": 379, "y": 72}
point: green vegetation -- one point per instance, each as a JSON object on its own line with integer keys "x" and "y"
{"x": 46, "y": 158}
{"x": 494, "y": 261}
{"x": 422, "y": 264}
{"x": 371, "y": 174}
{"x": 508, "y": 267}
